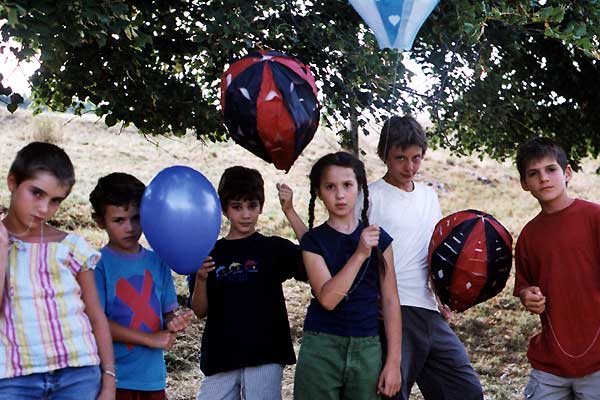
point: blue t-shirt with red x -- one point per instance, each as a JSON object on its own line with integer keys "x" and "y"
{"x": 135, "y": 291}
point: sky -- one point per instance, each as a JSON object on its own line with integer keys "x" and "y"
{"x": 15, "y": 74}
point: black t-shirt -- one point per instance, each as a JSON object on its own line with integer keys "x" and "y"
{"x": 357, "y": 314}
{"x": 247, "y": 322}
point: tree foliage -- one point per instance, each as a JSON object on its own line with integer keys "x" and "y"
{"x": 521, "y": 69}
{"x": 501, "y": 71}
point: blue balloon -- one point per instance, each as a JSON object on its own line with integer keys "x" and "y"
{"x": 395, "y": 23}
{"x": 181, "y": 217}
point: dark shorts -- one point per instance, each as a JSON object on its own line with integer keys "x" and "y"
{"x": 126, "y": 394}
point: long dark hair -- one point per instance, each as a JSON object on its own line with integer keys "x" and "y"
{"x": 346, "y": 160}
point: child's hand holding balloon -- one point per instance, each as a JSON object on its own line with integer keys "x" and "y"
{"x": 207, "y": 266}
{"x": 369, "y": 238}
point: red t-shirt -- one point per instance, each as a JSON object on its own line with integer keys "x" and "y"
{"x": 560, "y": 253}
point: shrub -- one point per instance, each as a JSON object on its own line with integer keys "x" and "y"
{"x": 47, "y": 130}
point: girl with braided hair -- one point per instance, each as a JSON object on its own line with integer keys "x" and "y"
{"x": 340, "y": 356}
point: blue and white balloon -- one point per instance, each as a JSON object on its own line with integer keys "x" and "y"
{"x": 395, "y": 23}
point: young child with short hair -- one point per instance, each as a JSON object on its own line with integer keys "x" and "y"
{"x": 350, "y": 269}
{"x": 136, "y": 291}
{"x": 53, "y": 333}
{"x": 557, "y": 260}
{"x": 432, "y": 355}
{"x": 246, "y": 340}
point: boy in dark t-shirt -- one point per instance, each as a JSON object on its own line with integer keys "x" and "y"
{"x": 246, "y": 340}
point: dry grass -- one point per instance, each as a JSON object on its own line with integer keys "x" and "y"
{"x": 495, "y": 333}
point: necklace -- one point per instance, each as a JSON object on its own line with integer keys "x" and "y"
{"x": 562, "y": 349}
{"x": 21, "y": 234}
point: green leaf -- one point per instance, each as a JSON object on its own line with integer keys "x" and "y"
{"x": 552, "y": 14}
{"x": 110, "y": 120}
{"x": 469, "y": 28}
{"x": 16, "y": 98}
{"x": 580, "y": 30}
{"x": 25, "y": 53}
{"x": 12, "y": 18}
{"x": 12, "y": 107}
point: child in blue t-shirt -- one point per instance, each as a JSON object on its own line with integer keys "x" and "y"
{"x": 136, "y": 291}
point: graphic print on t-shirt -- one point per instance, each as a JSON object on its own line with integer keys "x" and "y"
{"x": 236, "y": 272}
{"x": 136, "y": 305}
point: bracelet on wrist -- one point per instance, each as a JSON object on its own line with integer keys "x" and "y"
{"x": 110, "y": 373}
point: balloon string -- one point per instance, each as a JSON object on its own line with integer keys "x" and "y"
{"x": 357, "y": 283}
{"x": 563, "y": 350}
{"x": 387, "y": 133}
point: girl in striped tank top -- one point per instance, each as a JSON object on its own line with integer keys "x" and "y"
{"x": 53, "y": 333}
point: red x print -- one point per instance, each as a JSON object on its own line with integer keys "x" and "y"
{"x": 139, "y": 303}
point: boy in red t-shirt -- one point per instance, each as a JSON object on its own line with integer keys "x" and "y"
{"x": 558, "y": 277}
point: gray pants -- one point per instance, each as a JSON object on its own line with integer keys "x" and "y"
{"x": 262, "y": 382}
{"x": 545, "y": 386}
{"x": 434, "y": 357}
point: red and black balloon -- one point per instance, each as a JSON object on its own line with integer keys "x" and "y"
{"x": 269, "y": 101}
{"x": 470, "y": 256}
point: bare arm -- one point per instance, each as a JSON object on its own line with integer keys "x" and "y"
{"x": 158, "y": 340}
{"x": 329, "y": 290}
{"x": 390, "y": 379}
{"x": 286, "y": 197}
{"x": 199, "y": 297}
{"x": 101, "y": 332}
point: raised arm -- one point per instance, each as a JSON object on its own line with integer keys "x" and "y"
{"x": 390, "y": 379}
{"x": 329, "y": 290}
{"x": 286, "y": 199}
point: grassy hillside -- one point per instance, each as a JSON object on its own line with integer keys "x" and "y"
{"x": 495, "y": 333}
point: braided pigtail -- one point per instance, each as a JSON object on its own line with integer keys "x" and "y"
{"x": 311, "y": 207}
{"x": 381, "y": 264}
{"x": 365, "y": 211}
